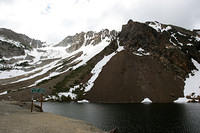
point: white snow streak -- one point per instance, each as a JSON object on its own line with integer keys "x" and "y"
{"x": 96, "y": 71}
{"x": 4, "y": 93}
{"x": 83, "y": 101}
{"x": 158, "y": 27}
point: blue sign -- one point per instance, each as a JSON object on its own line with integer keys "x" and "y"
{"x": 38, "y": 90}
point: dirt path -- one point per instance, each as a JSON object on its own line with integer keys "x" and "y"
{"x": 15, "y": 119}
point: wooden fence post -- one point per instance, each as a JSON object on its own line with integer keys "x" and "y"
{"x": 41, "y": 100}
{"x": 32, "y": 104}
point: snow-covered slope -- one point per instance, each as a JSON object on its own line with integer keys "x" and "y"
{"x": 51, "y": 60}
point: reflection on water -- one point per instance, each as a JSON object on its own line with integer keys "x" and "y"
{"x": 134, "y": 118}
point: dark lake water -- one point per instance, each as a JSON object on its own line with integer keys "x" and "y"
{"x": 134, "y": 118}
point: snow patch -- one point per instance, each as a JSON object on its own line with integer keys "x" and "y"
{"x": 67, "y": 94}
{"x": 181, "y": 34}
{"x": 120, "y": 48}
{"x": 51, "y": 98}
{"x": 197, "y": 38}
{"x": 141, "y": 52}
{"x": 4, "y": 93}
{"x": 146, "y": 100}
{"x": 181, "y": 100}
{"x": 158, "y": 27}
{"x": 192, "y": 84}
{"x": 189, "y": 44}
{"x": 11, "y": 73}
{"x": 70, "y": 93}
{"x": 83, "y": 101}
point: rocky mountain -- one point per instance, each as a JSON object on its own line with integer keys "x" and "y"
{"x": 73, "y": 43}
{"x": 155, "y": 63}
{"x": 149, "y": 60}
{"x": 39, "y": 66}
{"x": 14, "y": 44}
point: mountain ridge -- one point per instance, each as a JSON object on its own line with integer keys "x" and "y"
{"x": 82, "y": 67}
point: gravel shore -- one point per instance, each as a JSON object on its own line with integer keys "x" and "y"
{"x": 16, "y": 119}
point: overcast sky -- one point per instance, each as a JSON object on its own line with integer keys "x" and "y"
{"x": 53, "y": 20}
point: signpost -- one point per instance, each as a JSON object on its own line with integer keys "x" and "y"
{"x": 40, "y": 91}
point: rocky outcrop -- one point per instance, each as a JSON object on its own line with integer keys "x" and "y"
{"x": 14, "y": 44}
{"x": 170, "y": 47}
{"x": 9, "y": 50}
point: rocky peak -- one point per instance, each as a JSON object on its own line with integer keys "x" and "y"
{"x": 136, "y": 35}
{"x": 172, "y": 45}
{"x": 21, "y": 39}
{"x": 72, "y": 43}
{"x": 14, "y": 44}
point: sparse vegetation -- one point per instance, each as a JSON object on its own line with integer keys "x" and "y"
{"x": 73, "y": 78}
{"x": 65, "y": 99}
{"x": 23, "y": 64}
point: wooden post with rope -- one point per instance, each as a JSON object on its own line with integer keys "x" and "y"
{"x": 41, "y": 100}
{"x": 32, "y": 104}
{"x": 41, "y": 91}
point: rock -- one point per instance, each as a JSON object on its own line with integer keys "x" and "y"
{"x": 115, "y": 130}
{"x": 9, "y": 50}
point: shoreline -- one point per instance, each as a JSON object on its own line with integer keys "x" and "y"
{"x": 15, "y": 118}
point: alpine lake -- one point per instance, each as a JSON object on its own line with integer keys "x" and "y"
{"x": 133, "y": 118}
